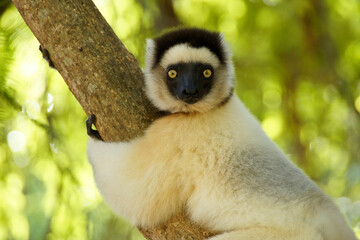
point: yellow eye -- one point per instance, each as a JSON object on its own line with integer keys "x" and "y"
{"x": 207, "y": 73}
{"x": 172, "y": 73}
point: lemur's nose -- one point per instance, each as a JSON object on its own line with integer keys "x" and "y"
{"x": 190, "y": 93}
{"x": 190, "y": 96}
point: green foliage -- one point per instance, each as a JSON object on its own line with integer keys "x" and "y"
{"x": 297, "y": 66}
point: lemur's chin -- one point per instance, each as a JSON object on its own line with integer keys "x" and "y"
{"x": 190, "y": 101}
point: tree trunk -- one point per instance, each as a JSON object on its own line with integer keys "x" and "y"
{"x": 103, "y": 76}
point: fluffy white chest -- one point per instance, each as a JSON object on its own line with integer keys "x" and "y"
{"x": 237, "y": 176}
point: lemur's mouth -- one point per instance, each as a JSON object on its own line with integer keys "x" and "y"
{"x": 191, "y": 101}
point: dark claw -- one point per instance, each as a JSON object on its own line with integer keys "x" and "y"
{"x": 91, "y": 132}
{"x": 46, "y": 56}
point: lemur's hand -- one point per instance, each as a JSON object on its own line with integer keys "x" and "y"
{"x": 46, "y": 56}
{"x": 91, "y": 132}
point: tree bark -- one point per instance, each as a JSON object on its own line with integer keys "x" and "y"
{"x": 103, "y": 76}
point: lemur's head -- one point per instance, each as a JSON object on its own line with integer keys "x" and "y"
{"x": 188, "y": 70}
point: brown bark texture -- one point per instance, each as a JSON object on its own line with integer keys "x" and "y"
{"x": 103, "y": 76}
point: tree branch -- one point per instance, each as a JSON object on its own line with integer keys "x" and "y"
{"x": 103, "y": 76}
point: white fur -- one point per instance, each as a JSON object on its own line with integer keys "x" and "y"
{"x": 215, "y": 161}
{"x": 227, "y": 173}
{"x": 185, "y": 53}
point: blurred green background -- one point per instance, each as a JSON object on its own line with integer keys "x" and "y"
{"x": 298, "y": 70}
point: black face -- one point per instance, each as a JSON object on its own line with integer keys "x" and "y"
{"x": 189, "y": 82}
